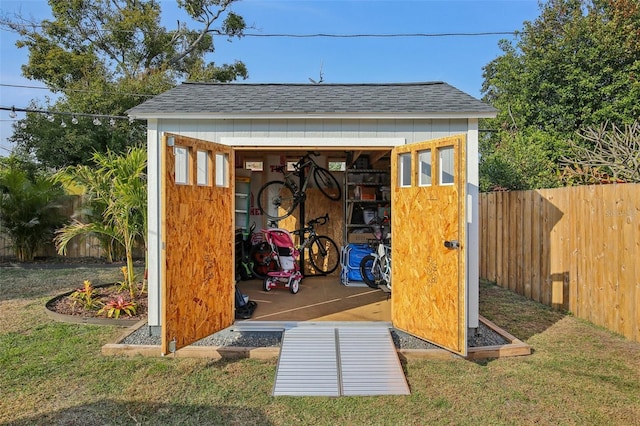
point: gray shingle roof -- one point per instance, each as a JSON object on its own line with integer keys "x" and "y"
{"x": 428, "y": 98}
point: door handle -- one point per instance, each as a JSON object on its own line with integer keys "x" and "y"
{"x": 452, "y": 245}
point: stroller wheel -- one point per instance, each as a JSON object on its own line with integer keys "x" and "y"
{"x": 266, "y": 285}
{"x": 295, "y": 286}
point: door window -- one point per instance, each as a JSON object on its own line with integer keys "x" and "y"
{"x": 202, "y": 160}
{"x": 424, "y": 159}
{"x": 447, "y": 170}
{"x": 404, "y": 169}
{"x": 222, "y": 170}
{"x": 181, "y": 165}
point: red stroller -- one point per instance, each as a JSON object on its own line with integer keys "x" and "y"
{"x": 286, "y": 257}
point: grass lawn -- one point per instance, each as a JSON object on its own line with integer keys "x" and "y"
{"x": 53, "y": 373}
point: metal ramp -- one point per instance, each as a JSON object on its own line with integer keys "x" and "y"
{"x": 339, "y": 361}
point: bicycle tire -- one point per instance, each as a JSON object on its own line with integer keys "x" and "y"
{"x": 327, "y": 183}
{"x": 324, "y": 254}
{"x": 370, "y": 275}
{"x": 276, "y": 200}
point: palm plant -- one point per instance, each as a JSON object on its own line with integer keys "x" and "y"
{"x": 117, "y": 187}
{"x": 29, "y": 209}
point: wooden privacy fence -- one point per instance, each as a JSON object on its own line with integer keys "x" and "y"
{"x": 575, "y": 248}
{"x": 77, "y": 247}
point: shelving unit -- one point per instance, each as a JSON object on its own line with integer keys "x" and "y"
{"x": 367, "y": 194}
{"x": 243, "y": 203}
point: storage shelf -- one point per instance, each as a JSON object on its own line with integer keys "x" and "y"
{"x": 371, "y": 182}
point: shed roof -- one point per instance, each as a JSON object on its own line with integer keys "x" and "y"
{"x": 426, "y": 99}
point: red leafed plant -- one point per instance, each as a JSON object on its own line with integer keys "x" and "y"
{"x": 117, "y": 306}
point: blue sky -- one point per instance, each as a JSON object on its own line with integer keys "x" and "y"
{"x": 456, "y": 60}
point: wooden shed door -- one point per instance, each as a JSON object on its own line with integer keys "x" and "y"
{"x": 198, "y": 240}
{"x": 428, "y": 235}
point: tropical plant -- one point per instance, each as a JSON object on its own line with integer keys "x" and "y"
{"x": 87, "y": 295}
{"x": 29, "y": 208}
{"x": 114, "y": 307}
{"x": 119, "y": 185}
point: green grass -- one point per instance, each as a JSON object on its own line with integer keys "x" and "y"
{"x": 53, "y": 373}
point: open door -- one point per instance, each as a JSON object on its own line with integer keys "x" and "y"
{"x": 428, "y": 241}
{"x": 198, "y": 240}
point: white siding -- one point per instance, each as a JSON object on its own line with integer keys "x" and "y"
{"x": 411, "y": 130}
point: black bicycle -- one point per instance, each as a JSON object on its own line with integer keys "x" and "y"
{"x": 278, "y": 199}
{"x": 321, "y": 251}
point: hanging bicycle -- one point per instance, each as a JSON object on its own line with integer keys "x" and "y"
{"x": 278, "y": 199}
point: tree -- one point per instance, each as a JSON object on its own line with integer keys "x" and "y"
{"x": 117, "y": 184}
{"x": 29, "y": 207}
{"x": 606, "y": 153}
{"x": 577, "y": 65}
{"x": 106, "y": 56}
{"x": 522, "y": 160}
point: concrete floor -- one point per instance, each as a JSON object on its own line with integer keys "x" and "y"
{"x": 319, "y": 299}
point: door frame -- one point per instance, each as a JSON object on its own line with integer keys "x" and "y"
{"x": 248, "y": 146}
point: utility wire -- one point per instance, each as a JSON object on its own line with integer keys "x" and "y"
{"x": 313, "y": 35}
{"x": 19, "y": 86}
{"x": 393, "y": 35}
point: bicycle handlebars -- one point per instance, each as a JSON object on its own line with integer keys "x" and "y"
{"x": 321, "y": 220}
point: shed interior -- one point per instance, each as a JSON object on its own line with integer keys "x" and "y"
{"x": 364, "y": 176}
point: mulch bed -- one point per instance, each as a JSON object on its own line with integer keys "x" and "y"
{"x": 65, "y": 305}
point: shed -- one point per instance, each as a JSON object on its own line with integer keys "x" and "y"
{"x": 202, "y": 136}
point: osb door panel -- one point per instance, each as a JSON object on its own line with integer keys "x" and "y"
{"x": 198, "y": 244}
{"x": 428, "y": 279}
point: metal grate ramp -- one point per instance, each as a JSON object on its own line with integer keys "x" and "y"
{"x": 339, "y": 361}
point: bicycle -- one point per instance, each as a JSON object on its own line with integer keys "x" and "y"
{"x": 323, "y": 253}
{"x": 375, "y": 268}
{"x": 278, "y": 199}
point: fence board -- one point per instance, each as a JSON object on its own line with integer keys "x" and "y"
{"x": 499, "y": 239}
{"x": 571, "y": 248}
{"x": 514, "y": 239}
{"x": 491, "y": 237}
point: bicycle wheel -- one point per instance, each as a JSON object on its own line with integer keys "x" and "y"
{"x": 327, "y": 183}
{"x": 370, "y": 271}
{"x": 324, "y": 254}
{"x": 276, "y": 200}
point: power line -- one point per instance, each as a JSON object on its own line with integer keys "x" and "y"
{"x": 20, "y": 86}
{"x": 393, "y": 35}
{"x": 313, "y": 35}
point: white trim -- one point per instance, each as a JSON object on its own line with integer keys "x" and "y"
{"x": 154, "y": 224}
{"x": 248, "y": 141}
{"x": 297, "y": 116}
{"x": 473, "y": 225}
